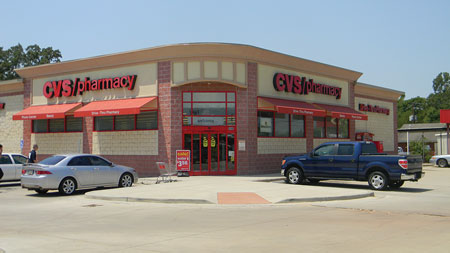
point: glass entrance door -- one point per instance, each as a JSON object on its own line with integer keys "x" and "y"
{"x": 212, "y": 153}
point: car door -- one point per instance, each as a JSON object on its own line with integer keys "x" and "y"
{"x": 19, "y": 161}
{"x": 8, "y": 168}
{"x": 320, "y": 163}
{"x": 82, "y": 169}
{"x": 345, "y": 161}
{"x": 103, "y": 174}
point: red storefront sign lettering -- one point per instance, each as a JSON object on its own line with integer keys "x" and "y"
{"x": 69, "y": 88}
{"x": 299, "y": 85}
{"x": 371, "y": 108}
{"x": 183, "y": 160}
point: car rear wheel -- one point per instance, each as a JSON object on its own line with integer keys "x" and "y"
{"x": 396, "y": 184}
{"x": 39, "y": 191}
{"x": 442, "y": 163}
{"x": 126, "y": 180}
{"x": 67, "y": 186}
{"x": 294, "y": 176}
{"x": 378, "y": 181}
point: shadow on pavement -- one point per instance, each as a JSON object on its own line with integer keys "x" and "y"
{"x": 56, "y": 194}
{"x": 9, "y": 184}
{"x": 360, "y": 186}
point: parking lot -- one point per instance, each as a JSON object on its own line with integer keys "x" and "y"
{"x": 415, "y": 218}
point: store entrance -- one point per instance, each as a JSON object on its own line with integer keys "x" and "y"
{"x": 212, "y": 152}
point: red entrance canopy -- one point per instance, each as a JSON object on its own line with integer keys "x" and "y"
{"x": 117, "y": 107}
{"x": 47, "y": 111}
{"x": 343, "y": 112}
{"x": 289, "y": 106}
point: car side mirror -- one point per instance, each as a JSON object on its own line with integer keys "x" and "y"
{"x": 111, "y": 164}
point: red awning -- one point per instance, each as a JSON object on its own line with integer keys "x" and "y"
{"x": 47, "y": 111}
{"x": 343, "y": 112}
{"x": 117, "y": 107}
{"x": 289, "y": 106}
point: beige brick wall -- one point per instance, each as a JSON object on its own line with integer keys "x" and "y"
{"x": 281, "y": 145}
{"x": 58, "y": 143}
{"x": 11, "y": 131}
{"x": 381, "y": 125}
{"x": 317, "y": 142}
{"x": 125, "y": 143}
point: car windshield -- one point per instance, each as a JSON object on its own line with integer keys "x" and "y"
{"x": 52, "y": 160}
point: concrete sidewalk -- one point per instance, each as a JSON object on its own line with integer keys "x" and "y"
{"x": 206, "y": 189}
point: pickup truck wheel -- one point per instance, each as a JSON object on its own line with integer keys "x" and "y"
{"x": 378, "y": 181}
{"x": 442, "y": 163}
{"x": 396, "y": 184}
{"x": 294, "y": 176}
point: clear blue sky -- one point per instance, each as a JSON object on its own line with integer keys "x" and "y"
{"x": 401, "y": 45}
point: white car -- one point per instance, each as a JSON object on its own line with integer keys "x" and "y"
{"x": 68, "y": 173}
{"x": 11, "y": 166}
{"x": 440, "y": 160}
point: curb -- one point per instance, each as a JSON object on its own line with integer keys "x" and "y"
{"x": 150, "y": 200}
{"x": 203, "y": 201}
{"x": 319, "y": 199}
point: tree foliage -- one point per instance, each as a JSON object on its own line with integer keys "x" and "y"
{"x": 16, "y": 57}
{"x": 427, "y": 109}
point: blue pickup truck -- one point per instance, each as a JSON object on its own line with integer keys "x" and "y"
{"x": 357, "y": 160}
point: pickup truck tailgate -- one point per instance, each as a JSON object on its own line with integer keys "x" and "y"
{"x": 414, "y": 163}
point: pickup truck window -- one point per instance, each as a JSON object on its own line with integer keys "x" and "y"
{"x": 345, "y": 149}
{"x": 325, "y": 150}
{"x": 4, "y": 159}
{"x": 368, "y": 148}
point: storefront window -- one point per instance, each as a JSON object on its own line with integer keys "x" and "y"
{"x": 143, "y": 121}
{"x": 343, "y": 128}
{"x": 69, "y": 124}
{"x": 281, "y": 125}
{"x": 209, "y": 109}
{"x": 105, "y": 123}
{"x": 147, "y": 120}
{"x": 124, "y": 122}
{"x": 40, "y": 126}
{"x": 74, "y": 124}
{"x": 56, "y": 125}
{"x": 331, "y": 127}
{"x": 265, "y": 124}
{"x": 319, "y": 127}
{"x": 297, "y": 126}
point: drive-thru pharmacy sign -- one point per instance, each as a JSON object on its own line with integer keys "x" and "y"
{"x": 183, "y": 160}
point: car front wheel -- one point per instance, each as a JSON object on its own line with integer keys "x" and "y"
{"x": 294, "y": 176}
{"x": 442, "y": 163}
{"x": 378, "y": 181}
{"x": 126, "y": 180}
{"x": 67, "y": 186}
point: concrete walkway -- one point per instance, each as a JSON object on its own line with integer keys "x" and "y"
{"x": 266, "y": 189}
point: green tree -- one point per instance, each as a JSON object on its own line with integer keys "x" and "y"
{"x": 419, "y": 148}
{"x": 413, "y": 106}
{"x": 441, "y": 83}
{"x": 16, "y": 57}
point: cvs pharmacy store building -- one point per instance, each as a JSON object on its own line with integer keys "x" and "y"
{"x": 238, "y": 108}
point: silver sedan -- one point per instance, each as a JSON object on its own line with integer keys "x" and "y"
{"x": 440, "y": 160}
{"x": 68, "y": 173}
